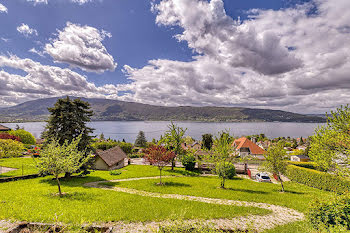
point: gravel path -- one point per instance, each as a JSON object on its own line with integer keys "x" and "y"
{"x": 280, "y": 215}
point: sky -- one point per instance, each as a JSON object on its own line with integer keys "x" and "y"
{"x": 291, "y": 55}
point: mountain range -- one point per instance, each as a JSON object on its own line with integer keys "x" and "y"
{"x": 115, "y": 110}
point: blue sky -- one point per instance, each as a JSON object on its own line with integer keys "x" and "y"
{"x": 132, "y": 35}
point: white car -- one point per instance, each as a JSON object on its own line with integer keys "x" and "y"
{"x": 262, "y": 177}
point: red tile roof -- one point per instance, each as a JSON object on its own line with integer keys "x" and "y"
{"x": 244, "y": 142}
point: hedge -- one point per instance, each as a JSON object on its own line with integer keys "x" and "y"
{"x": 317, "y": 179}
{"x": 311, "y": 165}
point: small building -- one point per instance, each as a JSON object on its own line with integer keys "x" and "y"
{"x": 4, "y": 128}
{"x": 299, "y": 158}
{"x": 245, "y": 147}
{"x": 109, "y": 159}
{"x": 196, "y": 146}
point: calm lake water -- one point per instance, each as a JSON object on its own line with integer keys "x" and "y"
{"x": 128, "y": 130}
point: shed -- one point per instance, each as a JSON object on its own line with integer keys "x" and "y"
{"x": 299, "y": 158}
{"x": 110, "y": 159}
{"x": 4, "y": 128}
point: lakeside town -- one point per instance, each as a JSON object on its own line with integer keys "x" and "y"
{"x": 291, "y": 175}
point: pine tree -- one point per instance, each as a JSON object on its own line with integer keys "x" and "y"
{"x": 141, "y": 140}
{"x": 67, "y": 121}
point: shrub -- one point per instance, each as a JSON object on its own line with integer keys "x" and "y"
{"x": 9, "y": 136}
{"x": 225, "y": 170}
{"x": 104, "y": 145}
{"x": 189, "y": 161}
{"x": 25, "y": 136}
{"x": 317, "y": 179}
{"x": 310, "y": 165}
{"x": 115, "y": 172}
{"x": 10, "y": 148}
{"x": 126, "y": 147}
{"x": 331, "y": 213}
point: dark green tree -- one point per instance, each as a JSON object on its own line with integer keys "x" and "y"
{"x": 141, "y": 140}
{"x": 67, "y": 121}
{"x": 207, "y": 141}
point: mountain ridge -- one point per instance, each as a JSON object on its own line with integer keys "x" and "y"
{"x": 116, "y": 110}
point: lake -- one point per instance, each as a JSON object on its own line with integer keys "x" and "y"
{"x": 128, "y": 130}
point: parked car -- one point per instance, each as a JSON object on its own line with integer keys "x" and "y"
{"x": 262, "y": 177}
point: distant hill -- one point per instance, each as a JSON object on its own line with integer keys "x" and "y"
{"x": 114, "y": 110}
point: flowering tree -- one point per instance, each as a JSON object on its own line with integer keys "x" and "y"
{"x": 160, "y": 157}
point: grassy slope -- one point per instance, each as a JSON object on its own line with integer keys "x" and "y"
{"x": 33, "y": 200}
{"x": 297, "y": 196}
{"x": 28, "y": 165}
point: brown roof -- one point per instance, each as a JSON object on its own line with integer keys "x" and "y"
{"x": 4, "y": 128}
{"x": 244, "y": 142}
{"x": 111, "y": 156}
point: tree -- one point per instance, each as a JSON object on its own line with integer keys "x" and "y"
{"x": 222, "y": 155}
{"x": 276, "y": 160}
{"x": 207, "y": 140}
{"x": 67, "y": 121}
{"x": 102, "y": 137}
{"x": 56, "y": 159}
{"x": 159, "y": 156}
{"x": 141, "y": 140}
{"x": 189, "y": 140}
{"x": 173, "y": 139}
{"x": 329, "y": 146}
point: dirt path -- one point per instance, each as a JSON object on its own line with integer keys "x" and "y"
{"x": 6, "y": 169}
{"x": 280, "y": 215}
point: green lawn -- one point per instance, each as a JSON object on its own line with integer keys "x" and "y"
{"x": 34, "y": 200}
{"x": 297, "y": 196}
{"x": 25, "y": 166}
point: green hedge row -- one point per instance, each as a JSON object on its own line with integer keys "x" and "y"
{"x": 317, "y": 179}
{"x": 311, "y": 165}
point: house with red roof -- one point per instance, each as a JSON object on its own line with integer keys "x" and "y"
{"x": 245, "y": 147}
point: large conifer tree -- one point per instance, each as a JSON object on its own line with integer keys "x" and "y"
{"x": 68, "y": 120}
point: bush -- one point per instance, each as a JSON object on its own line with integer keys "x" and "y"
{"x": 225, "y": 170}
{"x": 25, "y": 136}
{"x": 9, "y": 136}
{"x": 317, "y": 179}
{"x": 189, "y": 161}
{"x": 104, "y": 145}
{"x": 310, "y": 165}
{"x": 10, "y": 148}
{"x": 126, "y": 147}
{"x": 325, "y": 215}
{"x": 115, "y": 172}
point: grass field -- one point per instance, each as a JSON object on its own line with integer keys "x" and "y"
{"x": 25, "y": 166}
{"x": 35, "y": 199}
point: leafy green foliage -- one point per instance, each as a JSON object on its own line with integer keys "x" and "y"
{"x": 10, "y": 148}
{"x": 105, "y": 145}
{"x": 115, "y": 172}
{"x": 221, "y": 154}
{"x": 207, "y": 141}
{"x": 173, "y": 138}
{"x": 225, "y": 170}
{"x": 58, "y": 159}
{"x": 25, "y": 136}
{"x": 310, "y": 165}
{"x": 189, "y": 161}
{"x": 330, "y": 144}
{"x": 141, "y": 140}
{"x": 317, "y": 179}
{"x": 67, "y": 121}
{"x": 330, "y": 213}
{"x": 275, "y": 160}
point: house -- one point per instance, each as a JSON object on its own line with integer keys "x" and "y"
{"x": 245, "y": 147}
{"x": 196, "y": 146}
{"x": 299, "y": 158}
{"x": 109, "y": 159}
{"x": 4, "y": 128}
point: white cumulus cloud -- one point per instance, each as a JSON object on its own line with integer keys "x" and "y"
{"x": 3, "y": 9}
{"x": 26, "y": 30}
{"x": 81, "y": 46}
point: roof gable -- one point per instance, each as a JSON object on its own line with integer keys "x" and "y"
{"x": 244, "y": 142}
{"x": 111, "y": 156}
{"x": 4, "y": 128}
